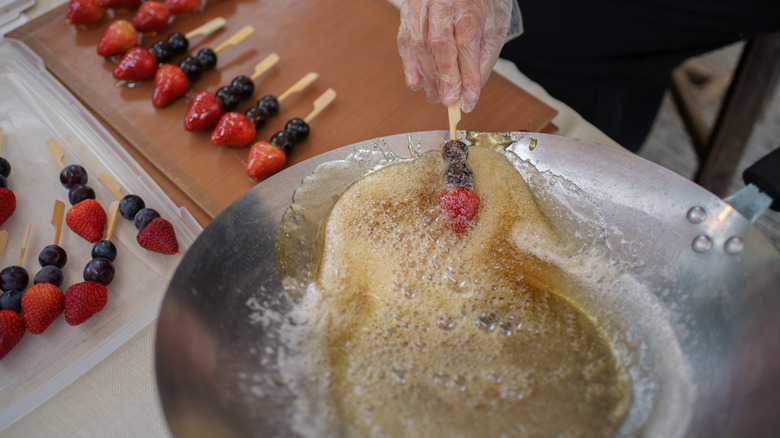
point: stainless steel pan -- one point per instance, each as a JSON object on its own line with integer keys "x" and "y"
{"x": 703, "y": 327}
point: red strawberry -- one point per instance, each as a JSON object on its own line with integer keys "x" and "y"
{"x": 11, "y": 330}
{"x": 460, "y": 205}
{"x": 158, "y": 236}
{"x": 119, "y": 37}
{"x": 137, "y": 64}
{"x": 183, "y": 7}
{"x": 151, "y": 17}
{"x": 203, "y": 113}
{"x": 7, "y": 204}
{"x": 41, "y": 305}
{"x": 84, "y": 12}
{"x": 82, "y": 300}
{"x": 87, "y": 219}
{"x": 170, "y": 83}
{"x": 264, "y": 160}
{"x": 233, "y": 129}
{"x": 121, "y": 4}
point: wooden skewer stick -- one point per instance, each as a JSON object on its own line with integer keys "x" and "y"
{"x": 56, "y": 219}
{"x": 265, "y": 65}
{"x": 3, "y": 241}
{"x": 56, "y": 151}
{"x": 321, "y": 103}
{"x": 24, "y": 245}
{"x": 113, "y": 212}
{"x": 298, "y": 86}
{"x": 236, "y": 38}
{"x": 207, "y": 28}
{"x": 111, "y": 184}
{"x": 453, "y": 111}
{"x": 1, "y": 141}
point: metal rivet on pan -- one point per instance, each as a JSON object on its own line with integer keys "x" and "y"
{"x": 696, "y": 215}
{"x": 701, "y": 243}
{"x": 734, "y": 245}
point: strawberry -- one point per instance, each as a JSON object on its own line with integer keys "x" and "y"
{"x": 264, "y": 160}
{"x": 41, "y": 305}
{"x": 7, "y": 204}
{"x": 82, "y": 300}
{"x": 203, "y": 112}
{"x": 121, "y": 4}
{"x": 183, "y": 7}
{"x": 151, "y": 17}
{"x": 87, "y": 219}
{"x": 137, "y": 64}
{"x": 11, "y": 330}
{"x": 459, "y": 205}
{"x": 233, "y": 129}
{"x": 170, "y": 83}
{"x": 81, "y": 12}
{"x": 119, "y": 37}
{"x": 158, "y": 236}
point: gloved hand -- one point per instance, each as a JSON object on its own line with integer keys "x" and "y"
{"x": 449, "y": 47}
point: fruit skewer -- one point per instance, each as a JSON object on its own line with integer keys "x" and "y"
{"x": 14, "y": 279}
{"x": 172, "y": 81}
{"x": 238, "y": 130}
{"x": 53, "y": 257}
{"x": 12, "y": 325}
{"x": 139, "y": 63}
{"x": 268, "y": 158}
{"x": 457, "y": 201}
{"x": 7, "y": 197}
{"x": 206, "y": 108}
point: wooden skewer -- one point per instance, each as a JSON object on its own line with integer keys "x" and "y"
{"x": 264, "y": 65}
{"x": 24, "y": 245}
{"x": 207, "y": 28}
{"x": 113, "y": 211}
{"x": 3, "y": 241}
{"x": 56, "y": 151}
{"x": 1, "y": 141}
{"x": 56, "y": 219}
{"x": 298, "y": 86}
{"x": 236, "y": 38}
{"x": 453, "y": 111}
{"x": 111, "y": 184}
{"x": 321, "y": 103}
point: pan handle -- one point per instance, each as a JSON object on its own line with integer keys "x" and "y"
{"x": 765, "y": 175}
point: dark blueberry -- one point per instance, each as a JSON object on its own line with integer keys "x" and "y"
{"x": 228, "y": 96}
{"x": 269, "y": 105}
{"x": 283, "y": 140}
{"x": 3, "y": 182}
{"x": 79, "y": 193}
{"x": 244, "y": 85}
{"x": 73, "y": 175}
{"x": 129, "y": 206}
{"x": 144, "y": 216}
{"x": 207, "y": 58}
{"x": 459, "y": 174}
{"x": 256, "y": 116}
{"x": 49, "y": 274}
{"x": 162, "y": 50}
{"x": 298, "y": 129}
{"x": 5, "y": 167}
{"x": 178, "y": 43}
{"x": 192, "y": 68}
{"x": 455, "y": 150}
{"x": 104, "y": 249}
{"x": 100, "y": 270}
{"x": 11, "y": 300}
{"x": 53, "y": 255}
{"x": 14, "y": 278}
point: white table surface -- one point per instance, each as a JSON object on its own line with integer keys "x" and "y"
{"x": 118, "y": 397}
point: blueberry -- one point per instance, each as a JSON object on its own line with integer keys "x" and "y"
{"x": 162, "y": 50}
{"x": 298, "y": 129}
{"x": 192, "y": 68}
{"x": 3, "y": 182}
{"x": 104, "y": 249}
{"x": 207, "y": 58}
{"x": 14, "y": 278}
{"x": 244, "y": 85}
{"x": 79, "y": 193}
{"x": 459, "y": 174}
{"x": 49, "y": 274}
{"x": 5, "y": 167}
{"x": 73, "y": 175}
{"x": 144, "y": 216}
{"x": 11, "y": 300}
{"x": 257, "y": 116}
{"x": 178, "y": 43}
{"x": 283, "y": 140}
{"x": 53, "y": 255}
{"x": 100, "y": 270}
{"x": 228, "y": 96}
{"x": 269, "y": 105}
{"x": 455, "y": 150}
{"x": 129, "y": 206}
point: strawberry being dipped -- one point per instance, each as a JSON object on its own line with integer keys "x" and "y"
{"x": 11, "y": 331}
{"x": 42, "y": 304}
{"x": 119, "y": 37}
{"x": 457, "y": 201}
{"x": 84, "y": 12}
{"x": 151, "y": 17}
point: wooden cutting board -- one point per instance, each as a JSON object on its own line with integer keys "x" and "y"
{"x": 349, "y": 43}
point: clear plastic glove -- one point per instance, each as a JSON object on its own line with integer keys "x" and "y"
{"x": 449, "y": 47}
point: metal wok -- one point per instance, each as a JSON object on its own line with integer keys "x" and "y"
{"x": 703, "y": 328}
